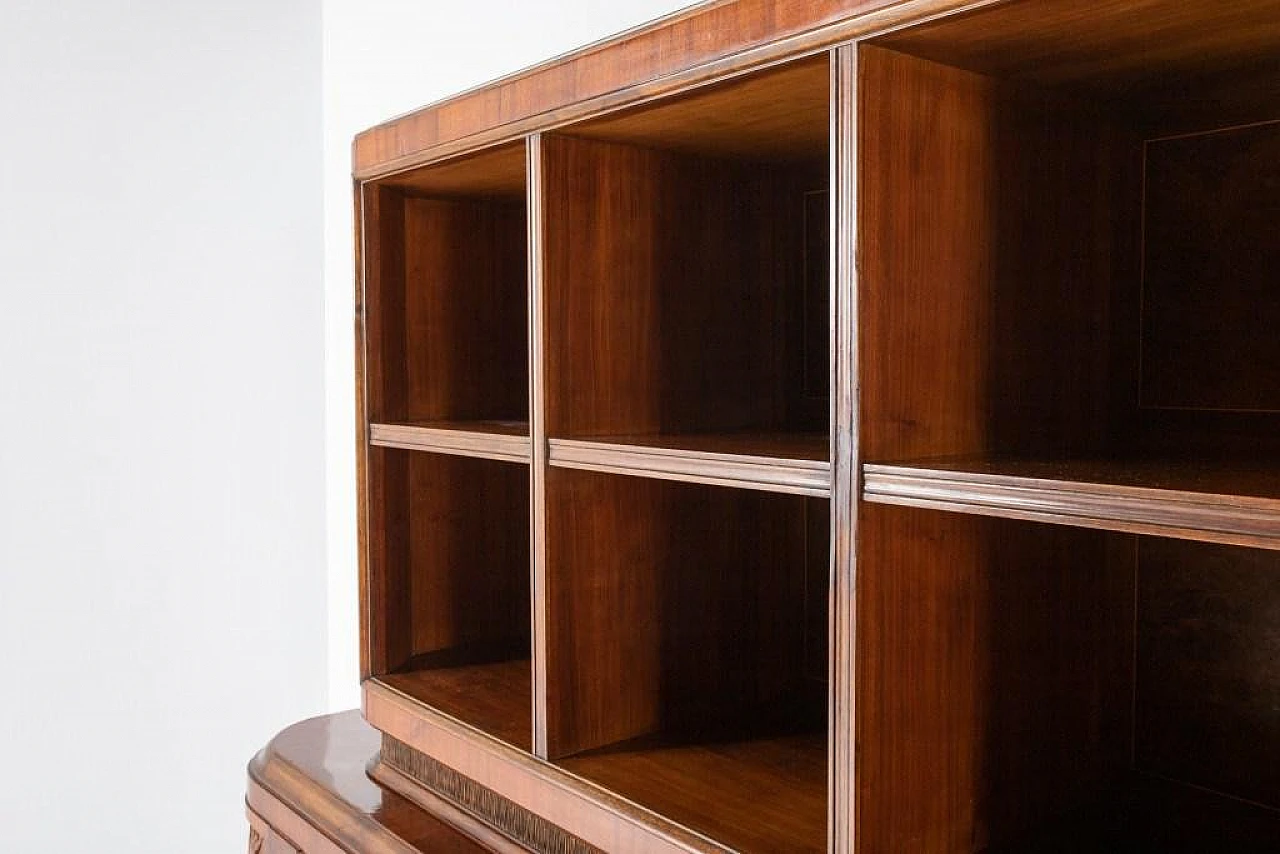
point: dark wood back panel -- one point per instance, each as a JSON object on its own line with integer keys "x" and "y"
{"x": 670, "y": 606}
{"x": 1210, "y": 307}
{"x": 468, "y": 560}
{"x": 448, "y": 310}
{"x": 1208, "y": 677}
{"x": 673, "y": 285}
{"x": 451, "y": 562}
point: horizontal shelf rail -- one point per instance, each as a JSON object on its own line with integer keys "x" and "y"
{"x": 747, "y": 471}
{"x": 467, "y": 439}
{"x": 1108, "y": 497}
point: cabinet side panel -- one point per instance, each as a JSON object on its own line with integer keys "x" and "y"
{"x": 384, "y": 622}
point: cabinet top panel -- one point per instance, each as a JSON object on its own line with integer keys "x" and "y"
{"x": 704, "y": 43}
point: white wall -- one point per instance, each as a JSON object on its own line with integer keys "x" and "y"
{"x": 161, "y": 445}
{"x": 383, "y": 58}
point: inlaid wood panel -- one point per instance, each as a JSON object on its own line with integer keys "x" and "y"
{"x": 1209, "y": 667}
{"x": 1210, "y": 307}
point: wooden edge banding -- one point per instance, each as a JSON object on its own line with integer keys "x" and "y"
{"x": 798, "y": 477}
{"x": 482, "y": 813}
{"x": 281, "y": 795}
{"x": 1231, "y": 520}
{"x": 462, "y": 443}
{"x": 554, "y": 112}
{"x": 842, "y": 782}
{"x": 538, "y": 445}
{"x": 585, "y": 810}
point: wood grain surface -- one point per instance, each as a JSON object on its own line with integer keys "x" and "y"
{"x": 640, "y": 572}
{"x": 309, "y": 785}
{"x": 670, "y": 284}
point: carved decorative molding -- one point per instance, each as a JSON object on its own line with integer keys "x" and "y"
{"x": 527, "y": 828}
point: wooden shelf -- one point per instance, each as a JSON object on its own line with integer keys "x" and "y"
{"x": 790, "y": 463}
{"x": 1219, "y": 504}
{"x": 493, "y": 696}
{"x": 753, "y": 794}
{"x": 506, "y": 441}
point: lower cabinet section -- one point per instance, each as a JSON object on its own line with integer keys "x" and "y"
{"x": 264, "y": 839}
{"x": 309, "y": 791}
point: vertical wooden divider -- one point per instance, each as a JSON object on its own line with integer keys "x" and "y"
{"x": 362, "y": 438}
{"x": 538, "y": 444}
{"x": 845, "y": 467}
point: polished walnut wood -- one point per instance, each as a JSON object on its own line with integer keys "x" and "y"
{"x": 624, "y": 607}
{"x": 710, "y": 41}
{"x": 491, "y": 695}
{"x": 506, "y": 441}
{"x": 1114, "y": 46}
{"x": 754, "y": 794}
{"x": 718, "y": 381}
{"x": 1211, "y": 503}
{"x": 309, "y": 792}
{"x": 452, "y": 568}
{"x": 591, "y": 813}
{"x": 678, "y": 310}
{"x": 788, "y": 463}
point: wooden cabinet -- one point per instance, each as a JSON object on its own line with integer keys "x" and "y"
{"x": 845, "y": 427}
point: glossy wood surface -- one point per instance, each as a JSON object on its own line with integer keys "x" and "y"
{"x": 1115, "y": 46}
{"x": 310, "y": 785}
{"x": 592, "y": 813}
{"x": 494, "y": 696}
{"x": 762, "y": 794}
{"x": 497, "y": 171}
{"x": 507, "y": 441}
{"x": 777, "y": 115}
{"x": 1228, "y": 503}
{"x": 691, "y": 47}
{"x": 784, "y": 463}
{"x": 954, "y": 305}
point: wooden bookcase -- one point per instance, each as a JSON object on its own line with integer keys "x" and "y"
{"x": 860, "y": 433}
